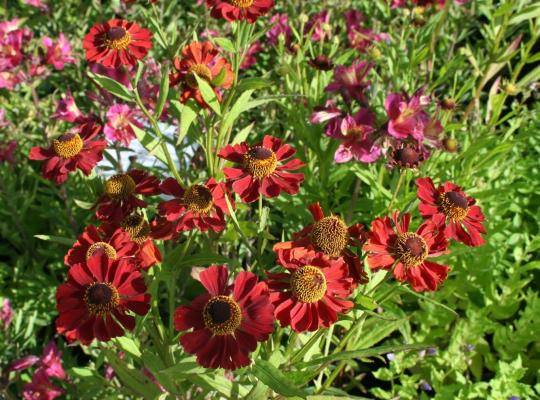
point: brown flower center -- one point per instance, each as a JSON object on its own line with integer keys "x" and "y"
{"x": 198, "y": 199}
{"x": 243, "y": 4}
{"x": 101, "y": 298}
{"x": 411, "y": 249}
{"x": 137, "y": 228}
{"x": 330, "y": 235}
{"x": 260, "y": 162}
{"x": 222, "y": 315}
{"x": 355, "y": 132}
{"x": 455, "y": 206}
{"x": 407, "y": 156}
{"x": 308, "y": 284}
{"x": 202, "y": 72}
{"x": 68, "y": 145}
{"x": 120, "y": 187}
{"x": 99, "y": 248}
{"x": 117, "y": 38}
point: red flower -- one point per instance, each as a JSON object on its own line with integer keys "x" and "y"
{"x": 94, "y": 241}
{"x": 71, "y": 151}
{"x": 228, "y": 321}
{"x": 449, "y": 206}
{"x": 330, "y": 236}
{"x": 138, "y": 230}
{"x": 198, "y": 207}
{"x": 260, "y": 169}
{"x": 389, "y": 245}
{"x": 117, "y": 42}
{"x": 94, "y": 301}
{"x": 313, "y": 291}
{"x": 234, "y": 10}
{"x": 120, "y": 199}
{"x": 204, "y": 60}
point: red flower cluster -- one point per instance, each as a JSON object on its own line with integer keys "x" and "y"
{"x": 238, "y": 10}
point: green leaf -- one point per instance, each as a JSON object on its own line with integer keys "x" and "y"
{"x": 252, "y": 84}
{"x": 276, "y": 380}
{"x": 526, "y": 14}
{"x": 220, "y": 78}
{"x": 150, "y": 143}
{"x": 208, "y": 94}
{"x": 243, "y": 134}
{"x": 365, "y": 302}
{"x": 220, "y": 384}
{"x": 188, "y": 113}
{"x": 225, "y": 44}
{"x": 235, "y": 111}
{"x": 129, "y": 346}
{"x": 112, "y": 86}
{"x": 181, "y": 369}
{"x": 163, "y": 92}
{"x": 202, "y": 259}
{"x": 56, "y": 239}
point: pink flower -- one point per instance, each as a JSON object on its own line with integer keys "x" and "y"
{"x": 38, "y": 4}
{"x": 23, "y": 363}
{"x": 118, "y": 126}
{"x": 406, "y": 115}
{"x": 59, "y": 52}
{"x": 349, "y": 81}
{"x": 250, "y": 59}
{"x": 9, "y": 80}
{"x": 280, "y": 27}
{"x": 359, "y": 36}
{"x": 6, "y": 313}
{"x": 316, "y": 25}
{"x": 51, "y": 362}
{"x": 3, "y": 121}
{"x": 357, "y": 138}
{"x": 41, "y": 388}
{"x": 67, "y": 110}
{"x": 331, "y": 114}
{"x": 7, "y": 153}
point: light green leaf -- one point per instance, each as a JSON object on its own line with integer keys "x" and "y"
{"x": 129, "y": 346}
{"x": 150, "y": 143}
{"x": 208, "y": 94}
{"x": 188, "y": 113}
{"x": 56, "y": 239}
{"x": 112, "y": 86}
{"x": 276, "y": 380}
{"x": 163, "y": 92}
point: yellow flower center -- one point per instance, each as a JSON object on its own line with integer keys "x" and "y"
{"x": 198, "y": 199}
{"x": 455, "y": 206}
{"x": 101, "y": 248}
{"x": 260, "y": 162}
{"x": 101, "y": 298}
{"x": 330, "y": 235}
{"x": 120, "y": 187}
{"x": 202, "y": 72}
{"x": 137, "y": 228}
{"x": 308, "y": 284}
{"x": 117, "y": 38}
{"x": 222, "y": 315}
{"x": 68, "y": 145}
{"x": 243, "y": 4}
{"x": 411, "y": 249}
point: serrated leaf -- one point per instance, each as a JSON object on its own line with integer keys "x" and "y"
{"x": 112, "y": 86}
{"x": 276, "y": 380}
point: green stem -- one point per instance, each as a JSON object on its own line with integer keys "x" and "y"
{"x": 396, "y": 191}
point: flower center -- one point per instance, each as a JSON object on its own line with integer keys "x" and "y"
{"x": 411, "y": 249}
{"x": 101, "y": 298}
{"x": 202, "y": 72}
{"x": 222, "y": 315}
{"x": 260, "y": 162}
{"x": 100, "y": 248}
{"x": 117, "y": 38}
{"x": 355, "y": 132}
{"x": 308, "y": 284}
{"x": 137, "y": 228}
{"x": 68, "y": 145}
{"x": 407, "y": 156}
{"x": 120, "y": 187}
{"x": 243, "y": 4}
{"x": 330, "y": 235}
{"x": 455, "y": 205}
{"x": 198, "y": 199}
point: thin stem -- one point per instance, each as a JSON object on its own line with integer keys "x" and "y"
{"x": 396, "y": 190}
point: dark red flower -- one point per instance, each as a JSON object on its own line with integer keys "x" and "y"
{"x": 330, "y": 236}
{"x": 205, "y": 61}
{"x": 94, "y": 302}
{"x": 228, "y": 321}
{"x": 407, "y": 155}
{"x": 260, "y": 169}
{"x": 235, "y": 10}
{"x": 200, "y": 207}
{"x": 71, "y": 151}
{"x": 394, "y": 246}
{"x": 449, "y": 206}
{"x": 312, "y": 292}
{"x": 117, "y": 42}
{"x": 94, "y": 241}
{"x": 120, "y": 200}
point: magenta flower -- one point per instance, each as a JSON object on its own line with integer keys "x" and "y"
{"x": 7, "y": 154}
{"x": 6, "y": 314}
{"x": 359, "y": 36}
{"x": 406, "y": 115}
{"x": 38, "y": 4}
{"x": 41, "y": 388}
{"x": 51, "y": 362}
{"x": 316, "y": 25}
{"x": 350, "y": 81}
{"x": 280, "y": 26}
{"x": 67, "y": 110}
{"x": 331, "y": 114}
{"x": 9, "y": 80}
{"x": 3, "y": 121}
{"x": 23, "y": 363}
{"x": 357, "y": 138}
{"x": 249, "y": 59}
{"x": 58, "y": 53}
{"x": 120, "y": 117}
